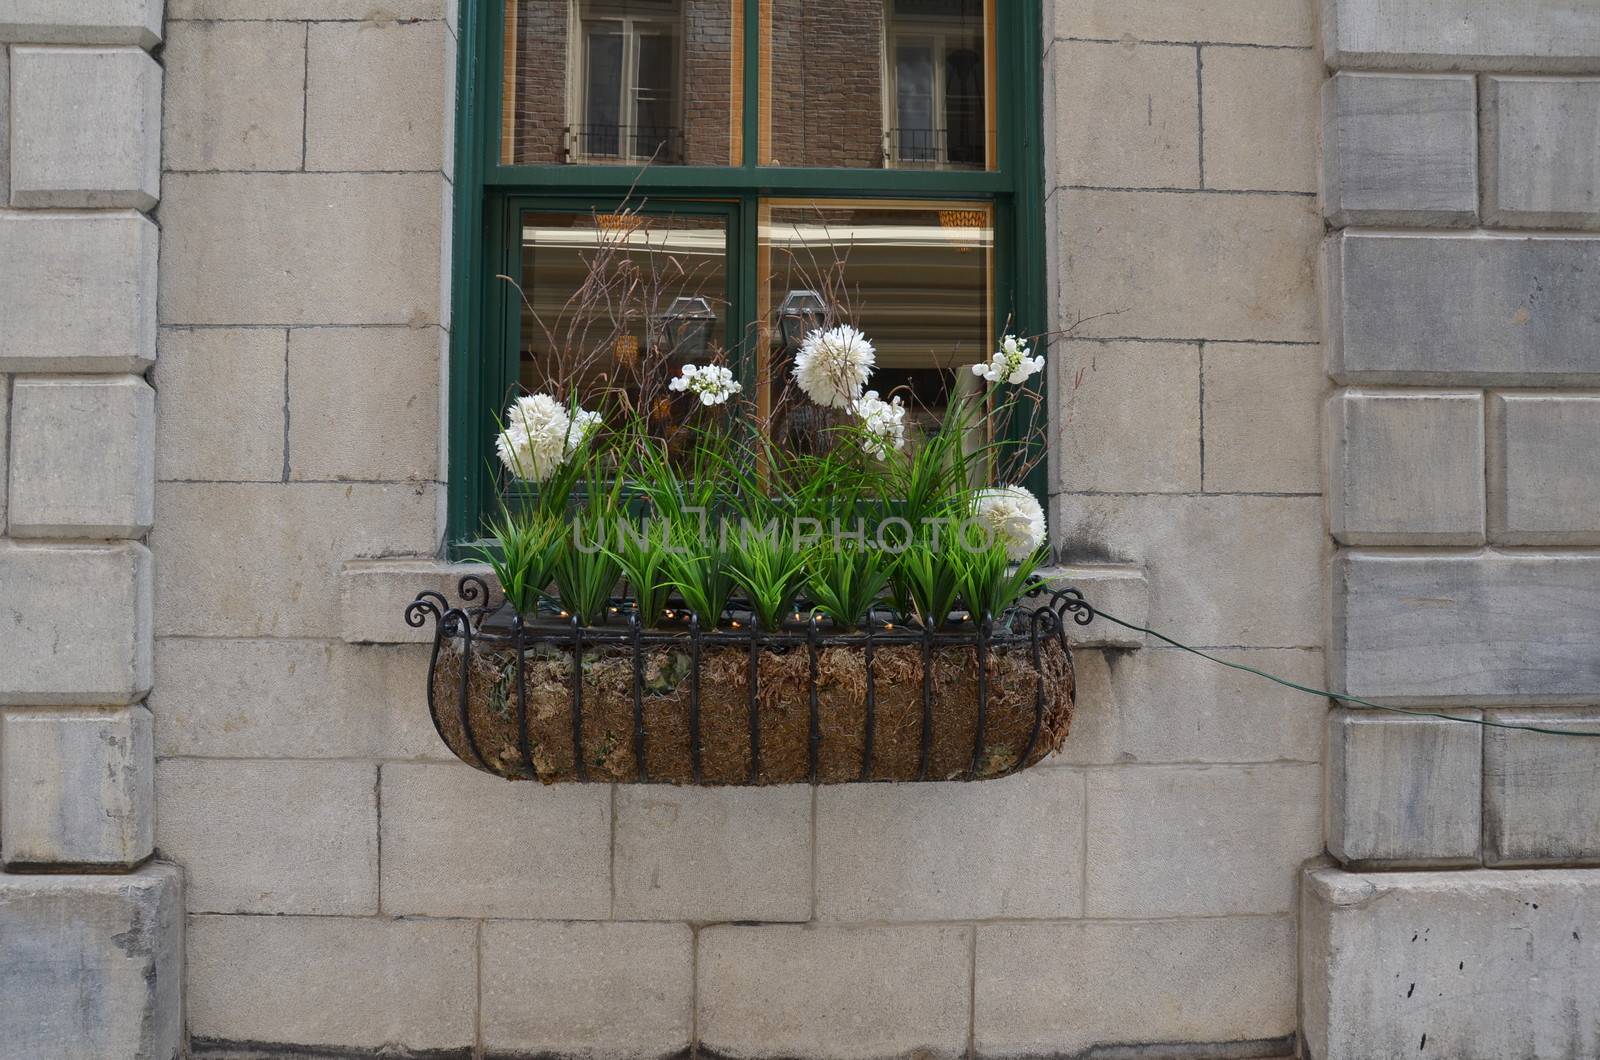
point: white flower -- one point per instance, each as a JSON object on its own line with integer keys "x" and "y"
{"x": 713, "y": 383}
{"x": 1010, "y": 363}
{"x": 832, "y": 366}
{"x": 1013, "y": 515}
{"x": 884, "y": 422}
{"x": 540, "y": 435}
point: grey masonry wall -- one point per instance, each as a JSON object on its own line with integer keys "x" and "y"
{"x": 91, "y": 929}
{"x": 1460, "y": 173}
{"x": 1226, "y": 460}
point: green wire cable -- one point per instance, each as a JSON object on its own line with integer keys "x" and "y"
{"x": 1324, "y": 693}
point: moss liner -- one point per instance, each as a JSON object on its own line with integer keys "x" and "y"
{"x": 783, "y": 713}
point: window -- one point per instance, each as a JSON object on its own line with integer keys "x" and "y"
{"x": 757, "y": 145}
{"x": 626, "y": 106}
{"x": 938, "y": 93}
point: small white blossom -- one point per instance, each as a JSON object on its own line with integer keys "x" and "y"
{"x": 540, "y": 434}
{"x": 833, "y": 366}
{"x": 1010, "y": 363}
{"x": 713, "y": 383}
{"x": 1013, "y": 515}
{"x": 884, "y": 422}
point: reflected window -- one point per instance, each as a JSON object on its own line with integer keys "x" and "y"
{"x": 906, "y": 83}
{"x": 619, "y": 81}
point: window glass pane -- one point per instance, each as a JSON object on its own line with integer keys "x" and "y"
{"x": 603, "y": 95}
{"x": 607, "y": 81}
{"x": 877, "y": 83}
{"x": 614, "y": 304}
{"x": 916, "y": 278}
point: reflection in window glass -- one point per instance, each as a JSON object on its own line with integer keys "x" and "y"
{"x": 904, "y": 83}
{"x": 613, "y": 81}
{"x": 916, "y": 278}
{"x": 615, "y": 304}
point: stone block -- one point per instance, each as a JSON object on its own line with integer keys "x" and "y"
{"x": 354, "y": 73}
{"x": 1541, "y": 805}
{"x": 1461, "y": 310}
{"x": 77, "y": 787}
{"x": 1535, "y": 35}
{"x": 1126, "y": 115}
{"x": 236, "y": 95}
{"x": 231, "y": 824}
{"x": 76, "y": 625}
{"x": 409, "y": 984}
{"x": 98, "y": 313}
{"x": 1009, "y": 848}
{"x": 252, "y": 560}
{"x": 1175, "y": 265}
{"x": 301, "y": 248}
{"x": 216, "y": 698}
{"x": 1399, "y": 150}
{"x": 1259, "y": 554}
{"x": 1127, "y": 417}
{"x": 1404, "y": 791}
{"x": 1541, "y": 168}
{"x": 535, "y": 852}
{"x": 5, "y": 418}
{"x": 5, "y": 124}
{"x": 1165, "y": 705}
{"x": 1261, "y": 114}
{"x": 85, "y": 128}
{"x": 1261, "y": 408}
{"x": 1199, "y": 840}
{"x": 220, "y": 404}
{"x": 369, "y": 590}
{"x": 1287, "y": 23}
{"x": 1542, "y": 485}
{"x": 1406, "y": 467}
{"x": 1119, "y": 588}
{"x": 83, "y": 456}
{"x": 714, "y": 854}
{"x": 1087, "y": 989}
{"x": 1485, "y": 964}
{"x": 590, "y": 990}
{"x": 332, "y": 10}
{"x": 835, "y": 993}
{"x": 1468, "y": 628}
{"x": 93, "y": 966}
{"x": 386, "y": 430}
{"x": 82, "y": 22}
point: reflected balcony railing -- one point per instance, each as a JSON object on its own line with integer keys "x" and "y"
{"x": 934, "y": 148}
{"x": 624, "y": 143}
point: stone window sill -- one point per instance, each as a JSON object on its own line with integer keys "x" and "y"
{"x": 373, "y": 595}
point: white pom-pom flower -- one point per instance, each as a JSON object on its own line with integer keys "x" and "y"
{"x": 833, "y": 366}
{"x": 540, "y": 434}
{"x": 884, "y": 423}
{"x": 1014, "y": 517}
{"x": 713, "y": 383}
{"x": 1010, "y": 363}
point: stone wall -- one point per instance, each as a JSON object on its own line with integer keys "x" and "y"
{"x": 349, "y": 886}
{"x": 1460, "y": 175}
{"x": 91, "y": 930}
{"x": 1183, "y": 238}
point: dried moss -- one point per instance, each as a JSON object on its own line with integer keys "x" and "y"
{"x": 485, "y": 728}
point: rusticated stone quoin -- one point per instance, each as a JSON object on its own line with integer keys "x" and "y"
{"x": 93, "y": 966}
{"x": 1461, "y": 310}
{"x": 1485, "y": 964}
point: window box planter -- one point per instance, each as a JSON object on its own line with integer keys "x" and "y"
{"x": 553, "y": 701}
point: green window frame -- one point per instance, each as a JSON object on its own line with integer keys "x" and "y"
{"x": 489, "y": 196}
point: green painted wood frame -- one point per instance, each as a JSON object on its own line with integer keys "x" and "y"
{"x": 489, "y": 196}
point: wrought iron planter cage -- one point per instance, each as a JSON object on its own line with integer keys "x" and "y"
{"x": 555, "y": 701}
